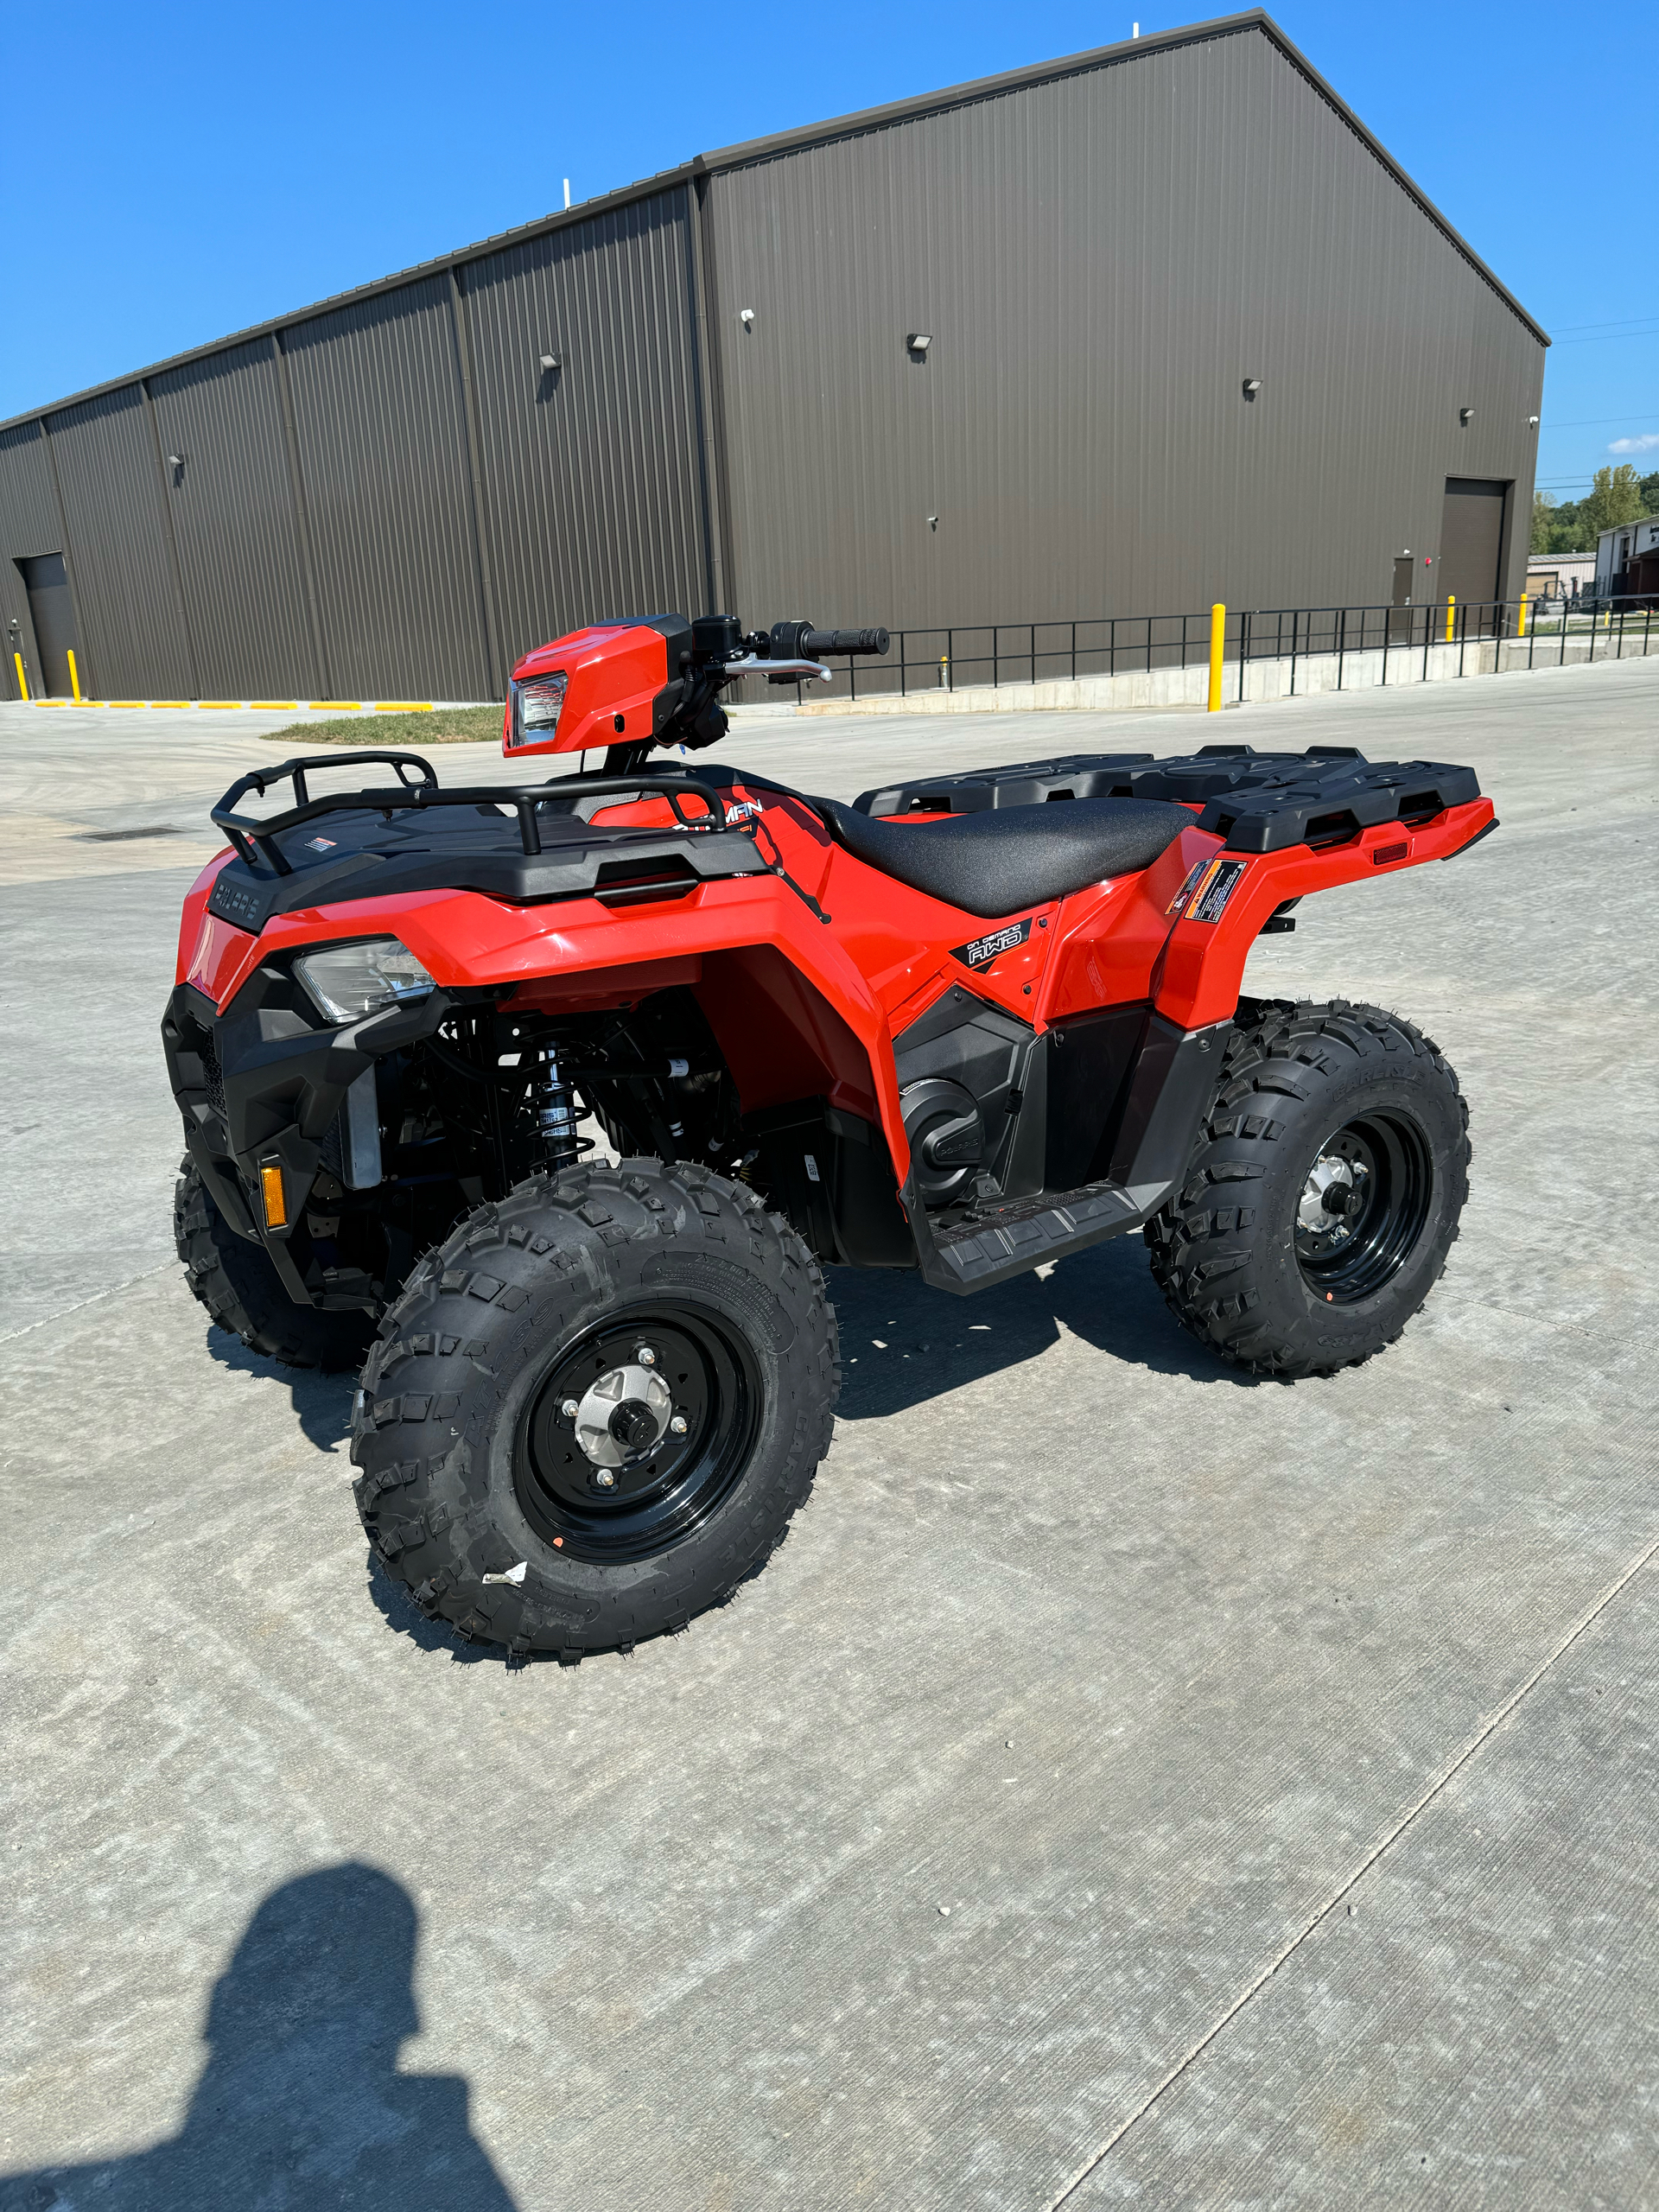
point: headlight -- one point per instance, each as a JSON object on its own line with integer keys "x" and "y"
{"x": 348, "y": 981}
{"x": 536, "y": 704}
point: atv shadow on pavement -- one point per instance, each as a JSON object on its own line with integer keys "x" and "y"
{"x": 903, "y": 1344}
{"x": 322, "y": 1403}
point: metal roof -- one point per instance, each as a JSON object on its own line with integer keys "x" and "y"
{"x": 781, "y": 143}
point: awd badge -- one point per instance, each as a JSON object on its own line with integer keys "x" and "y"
{"x": 984, "y": 950}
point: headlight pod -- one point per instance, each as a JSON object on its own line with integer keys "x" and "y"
{"x": 536, "y": 704}
{"x": 348, "y": 981}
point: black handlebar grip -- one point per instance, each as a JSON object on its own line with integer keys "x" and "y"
{"x": 819, "y": 642}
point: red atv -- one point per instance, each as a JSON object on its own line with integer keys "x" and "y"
{"x": 964, "y": 1025}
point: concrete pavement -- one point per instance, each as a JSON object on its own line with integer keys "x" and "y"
{"x": 1130, "y": 1785}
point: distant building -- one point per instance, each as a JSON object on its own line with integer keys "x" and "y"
{"x": 1559, "y": 576}
{"x": 1627, "y": 561}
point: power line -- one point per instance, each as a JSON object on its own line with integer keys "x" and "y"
{"x": 1610, "y": 324}
{"x": 1594, "y": 421}
{"x": 1607, "y": 337}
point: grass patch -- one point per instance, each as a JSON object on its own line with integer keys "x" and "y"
{"x": 444, "y": 726}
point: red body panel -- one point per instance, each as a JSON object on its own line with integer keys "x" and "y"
{"x": 803, "y": 1006}
{"x": 615, "y": 672}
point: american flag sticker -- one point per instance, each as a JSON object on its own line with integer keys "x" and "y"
{"x": 1187, "y": 889}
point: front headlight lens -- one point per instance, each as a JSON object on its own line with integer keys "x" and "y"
{"x": 348, "y": 981}
{"x": 539, "y": 702}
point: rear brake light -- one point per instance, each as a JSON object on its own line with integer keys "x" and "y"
{"x": 536, "y": 706}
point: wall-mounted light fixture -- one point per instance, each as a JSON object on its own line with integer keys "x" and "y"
{"x": 551, "y": 362}
{"x": 1252, "y": 385}
{"x": 918, "y": 341}
{"x": 1465, "y": 415}
{"x": 1532, "y": 422}
{"x": 933, "y": 522}
{"x": 746, "y": 316}
{"x": 176, "y": 461}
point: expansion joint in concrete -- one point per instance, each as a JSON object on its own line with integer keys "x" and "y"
{"x": 1488, "y": 1728}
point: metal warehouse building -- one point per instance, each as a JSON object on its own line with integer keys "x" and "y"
{"x": 393, "y": 494}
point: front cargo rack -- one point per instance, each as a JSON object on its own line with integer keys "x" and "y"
{"x": 255, "y": 838}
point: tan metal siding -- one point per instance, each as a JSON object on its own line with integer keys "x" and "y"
{"x": 1101, "y": 260}
{"x": 233, "y": 520}
{"x": 591, "y": 490}
{"x": 383, "y": 452}
{"x": 132, "y": 639}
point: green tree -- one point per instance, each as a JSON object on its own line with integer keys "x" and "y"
{"x": 1649, "y": 487}
{"x": 1560, "y": 526}
{"x": 1615, "y": 498}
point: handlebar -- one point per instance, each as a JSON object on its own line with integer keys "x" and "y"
{"x": 844, "y": 641}
{"x": 800, "y": 641}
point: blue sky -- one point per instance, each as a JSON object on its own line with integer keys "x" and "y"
{"x": 174, "y": 173}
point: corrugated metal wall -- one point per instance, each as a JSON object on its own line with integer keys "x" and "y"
{"x": 339, "y": 528}
{"x": 131, "y": 631}
{"x": 233, "y": 522}
{"x": 1100, "y": 262}
{"x": 390, "y": 496}
{"x": 31, "y": 525}
{"x": 590, "y": 472}
{"x": 382, "y": 450}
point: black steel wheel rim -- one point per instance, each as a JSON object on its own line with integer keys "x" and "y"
{"x": 1381, "y": 1166}
{"x": 657, "y": 1492}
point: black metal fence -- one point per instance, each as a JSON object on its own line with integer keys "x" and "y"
{"x": 954, "y": 657}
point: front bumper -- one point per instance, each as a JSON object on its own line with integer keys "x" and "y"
{"x": 265, "y": 1084}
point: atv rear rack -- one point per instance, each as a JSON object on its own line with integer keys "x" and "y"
{"x": 256, "y": 839}
{"x": 1256, "y": 802}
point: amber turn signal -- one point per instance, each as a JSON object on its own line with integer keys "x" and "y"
{"x": 270, "y": 1184}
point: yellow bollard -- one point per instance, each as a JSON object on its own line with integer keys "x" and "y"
{"x": 74, "y": 677}
{"x": 23, "y": 681}
{"x": 1217, "y": 649}
{"x": 1450, "y": 609}
{"x": 1521, "y": 630}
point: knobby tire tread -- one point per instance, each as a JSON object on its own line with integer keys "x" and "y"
{"x": 1206, "y": 1244}
{"x": 425, "y": 1432}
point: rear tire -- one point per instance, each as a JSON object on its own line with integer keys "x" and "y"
{"x": 1324, "y": 1193}
{"x": 243, "y": 1293}
{"x": 687, "y": 1327}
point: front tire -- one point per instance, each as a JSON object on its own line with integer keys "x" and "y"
{"x": 243, "y": 1293}
{"x": 1324, "y": 1193}
{"x": 595, "y": 1410}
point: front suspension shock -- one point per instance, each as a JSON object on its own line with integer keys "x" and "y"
{"x": 555, "y": 1115}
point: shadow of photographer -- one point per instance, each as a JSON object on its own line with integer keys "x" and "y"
{"x": 301, "y": 2106}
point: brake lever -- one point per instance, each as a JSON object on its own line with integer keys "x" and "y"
{"x": 777, "y": 671}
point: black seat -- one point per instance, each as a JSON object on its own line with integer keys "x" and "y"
{"x": 996, "y": 862}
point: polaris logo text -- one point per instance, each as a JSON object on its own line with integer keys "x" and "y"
{"x": 984, "y": 950}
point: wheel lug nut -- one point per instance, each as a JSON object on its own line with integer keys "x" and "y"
{"x": 570, "y": 1409}
{"x": 605, "y": 1480}
{"x": 679, "y": 1424}
{"x": 646, "y": 1356}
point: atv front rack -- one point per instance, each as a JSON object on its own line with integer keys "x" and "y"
{"x": 255, "y": 838}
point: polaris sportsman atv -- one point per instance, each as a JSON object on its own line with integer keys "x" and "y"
{"x": 967, "y": 1025}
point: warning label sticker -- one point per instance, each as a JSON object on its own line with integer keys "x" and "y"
{"x": 1215, "y": 887}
